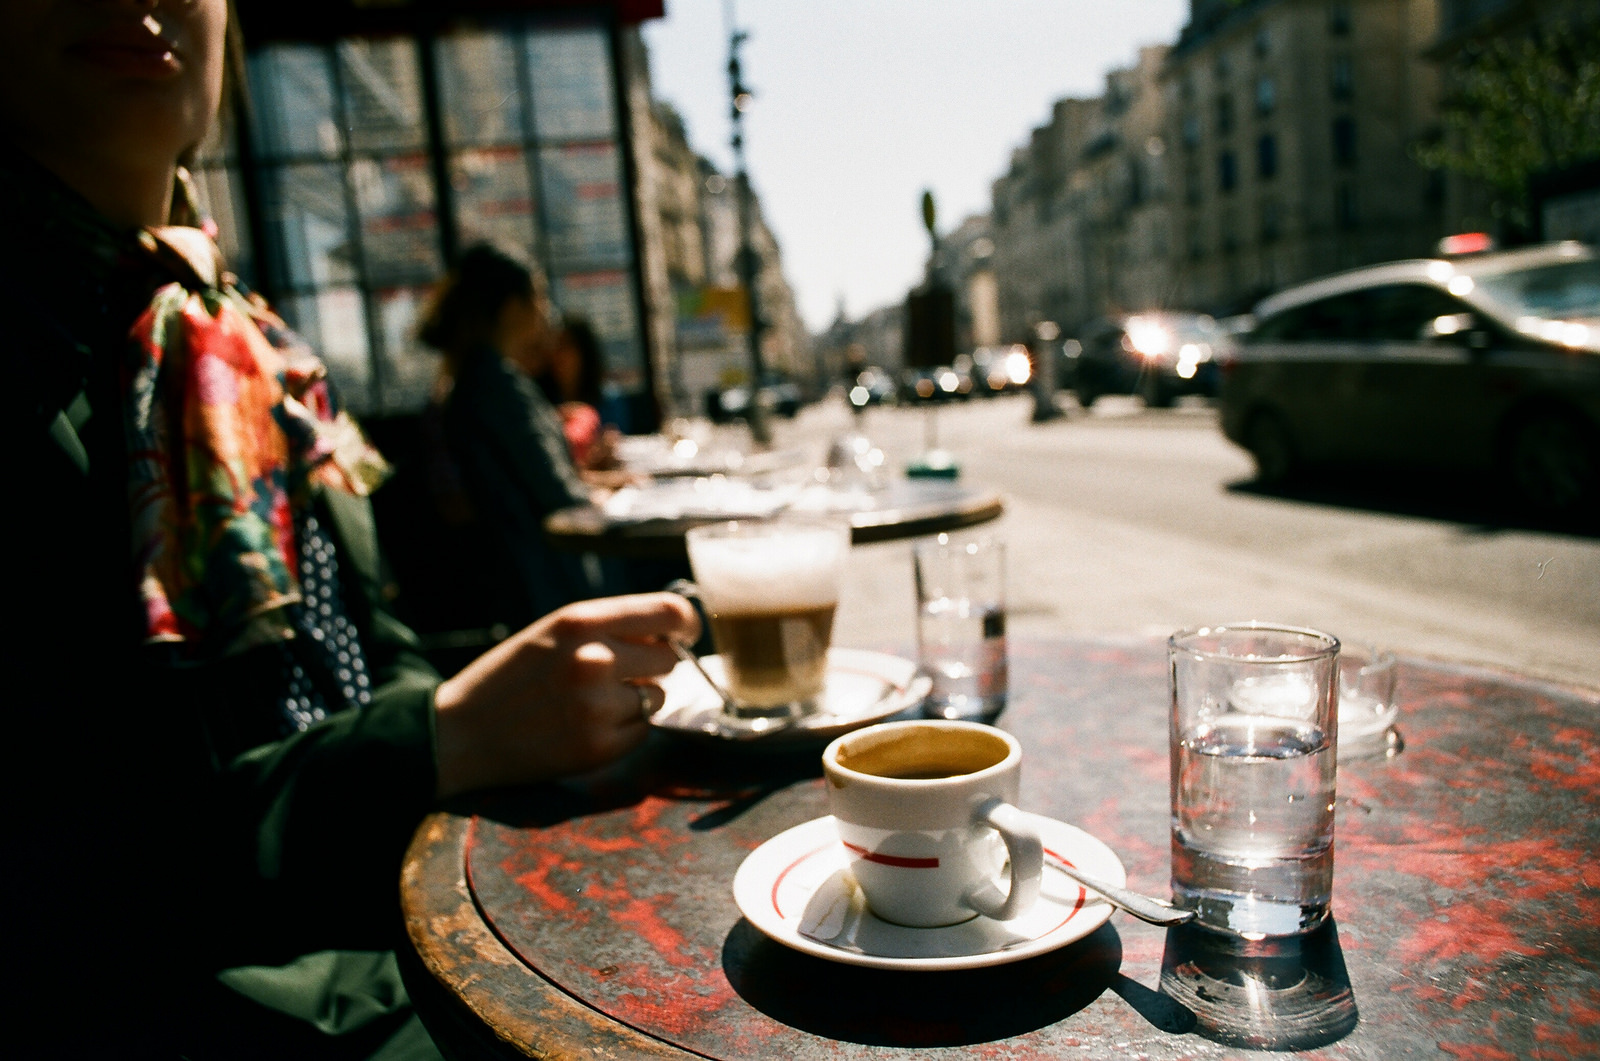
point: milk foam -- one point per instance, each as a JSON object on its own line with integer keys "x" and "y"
{"x": 791, "y": 569}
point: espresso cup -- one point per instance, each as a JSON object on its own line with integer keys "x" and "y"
{"x": 770, "y": 589}
{"x": 926, "y": 810}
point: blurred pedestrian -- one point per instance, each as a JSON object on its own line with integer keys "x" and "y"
{"x": 490, "y": 320}
{"x": 573, "y": 372}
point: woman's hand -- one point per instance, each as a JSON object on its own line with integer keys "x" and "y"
{"x": 611, "y": 481}
{"x": 562, "y": 696}
{"x": 602, "y": 455}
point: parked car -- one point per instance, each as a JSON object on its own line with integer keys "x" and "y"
{"x": 1001, "y": 369}
{"x": 779, "y": 397}
{"x": 942, "y": 383}
{"x": 1489, "y": 362}
{"x": 872, "y": 386}
{"x": 1158, "y": 356}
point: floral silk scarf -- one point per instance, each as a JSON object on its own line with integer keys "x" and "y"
{"x": 231, "y": 428}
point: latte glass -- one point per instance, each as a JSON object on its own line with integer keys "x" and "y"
{"x": 770, "y": 589}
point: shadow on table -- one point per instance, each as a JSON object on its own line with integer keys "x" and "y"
{"x": 734, "y": 781}
{"x": 1282, "y": 994}
{"x": 877, "y": 1007}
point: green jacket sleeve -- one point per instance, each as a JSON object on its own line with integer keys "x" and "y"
{"x": 327, "y": 813}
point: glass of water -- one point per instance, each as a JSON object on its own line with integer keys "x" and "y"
{"x": 1253, "y": 733}
{"x": 961, "y": 625}
{"x": 1367, "y": 706}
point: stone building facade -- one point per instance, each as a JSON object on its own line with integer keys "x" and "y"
{"x": 689, "y": 246}
{"x": 1274, "y": 141}
{"x": 1081, "y": 219}
{"x": 1293, "y": 124}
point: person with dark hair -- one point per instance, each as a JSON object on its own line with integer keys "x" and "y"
{"x": 486, "y": 318}
{"x": 573, "y": 372}
{"x": 222, "y": 740}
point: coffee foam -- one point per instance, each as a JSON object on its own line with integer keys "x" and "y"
{"x": 797, "y": 569}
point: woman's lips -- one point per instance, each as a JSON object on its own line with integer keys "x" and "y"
{"x": 130, "y": 51}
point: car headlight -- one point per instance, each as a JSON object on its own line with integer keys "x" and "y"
{"x": 1017, "y": 369}
{"x": 1148, "y": 338}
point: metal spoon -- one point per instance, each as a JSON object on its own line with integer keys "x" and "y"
{"x": 682, "y": 651}
{"x": 1144, "y": 907}
{"x": 730, "y": 724}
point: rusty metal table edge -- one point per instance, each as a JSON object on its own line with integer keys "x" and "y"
{"x": 451, "y": 946}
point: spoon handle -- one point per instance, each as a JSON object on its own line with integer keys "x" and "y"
{"x": 682, "y": 651}
{"x": 1144, "y": 907}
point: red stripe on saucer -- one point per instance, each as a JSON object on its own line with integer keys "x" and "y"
{"x": 893, "y": 860}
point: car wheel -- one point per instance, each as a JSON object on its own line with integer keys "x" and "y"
{"x": 1086, "y": 397}
{"x": 1154, "y": 391}
{"x": 1553, "y": 464}
{"x": 1270, "y": 443}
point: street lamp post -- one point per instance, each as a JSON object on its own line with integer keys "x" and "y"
{"x": 748, "y": 264}
{"x": 1044, "y": 372}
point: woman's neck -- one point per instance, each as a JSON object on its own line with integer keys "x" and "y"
{"x": 136, "y": 198}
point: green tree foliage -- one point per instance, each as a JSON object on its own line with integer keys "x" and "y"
{"x": 1519, "y": 106}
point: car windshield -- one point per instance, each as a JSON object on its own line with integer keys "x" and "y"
{"x": 1553, "y": 292}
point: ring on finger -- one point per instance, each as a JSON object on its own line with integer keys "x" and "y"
{"x": 646, "y": 702}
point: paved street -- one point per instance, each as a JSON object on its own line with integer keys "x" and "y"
{"x": 1126, "y": 520}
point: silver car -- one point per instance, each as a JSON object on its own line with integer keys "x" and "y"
{"x": 1487, "y": 362}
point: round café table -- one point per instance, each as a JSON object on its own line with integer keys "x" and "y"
{"x": 903, "y": 508}
{"x": 597, "y": 920}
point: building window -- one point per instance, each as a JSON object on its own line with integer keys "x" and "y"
{"x": 1344, "y": 206}
{"x": 1197, "y": 247}
{"x": 1186, "y": 88}
{"x": 1339, "y": 19}
{"x": 1221, "y": 67}
{"x": 1224, "y": 115}
{"x": 1191, "y": 131}
{"x": 1267, "y": 157}
{"x": 1192, "y": 191}
{"x": 377, "y": 158}
{"x": 1227, "y": 171}
{"x": 1263, "y": 42}
{"x": 1344, "y": 141}
{"x": 1266, "y": 95}
{"x": 1342, "y": 81}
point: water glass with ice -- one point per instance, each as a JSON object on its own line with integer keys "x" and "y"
{"x": 961, "y": 625}
{"x": 1253, "y": 733}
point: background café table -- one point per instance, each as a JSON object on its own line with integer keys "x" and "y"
{"x": 600, "y": 921}
{"x": 902, "y": 508}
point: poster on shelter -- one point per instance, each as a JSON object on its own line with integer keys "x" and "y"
{"x": 584, "y": 208}
{"x": 572, "y": 94}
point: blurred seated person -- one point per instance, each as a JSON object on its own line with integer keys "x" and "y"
{"x": 572, "y": 373}
{"x": 489, "y": 318}
{"x": 224, "y": 741}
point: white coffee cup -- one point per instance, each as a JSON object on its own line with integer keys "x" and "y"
{"x": 927, "y": 811}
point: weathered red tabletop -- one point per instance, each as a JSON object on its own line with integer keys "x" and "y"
{"x": 599, "y": 921}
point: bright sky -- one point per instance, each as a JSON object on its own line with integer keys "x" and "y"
{"x": 862, "y": 104}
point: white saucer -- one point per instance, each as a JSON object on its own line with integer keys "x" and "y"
{"x": 862, "y": 688}
{"x": 796, "y": 889}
